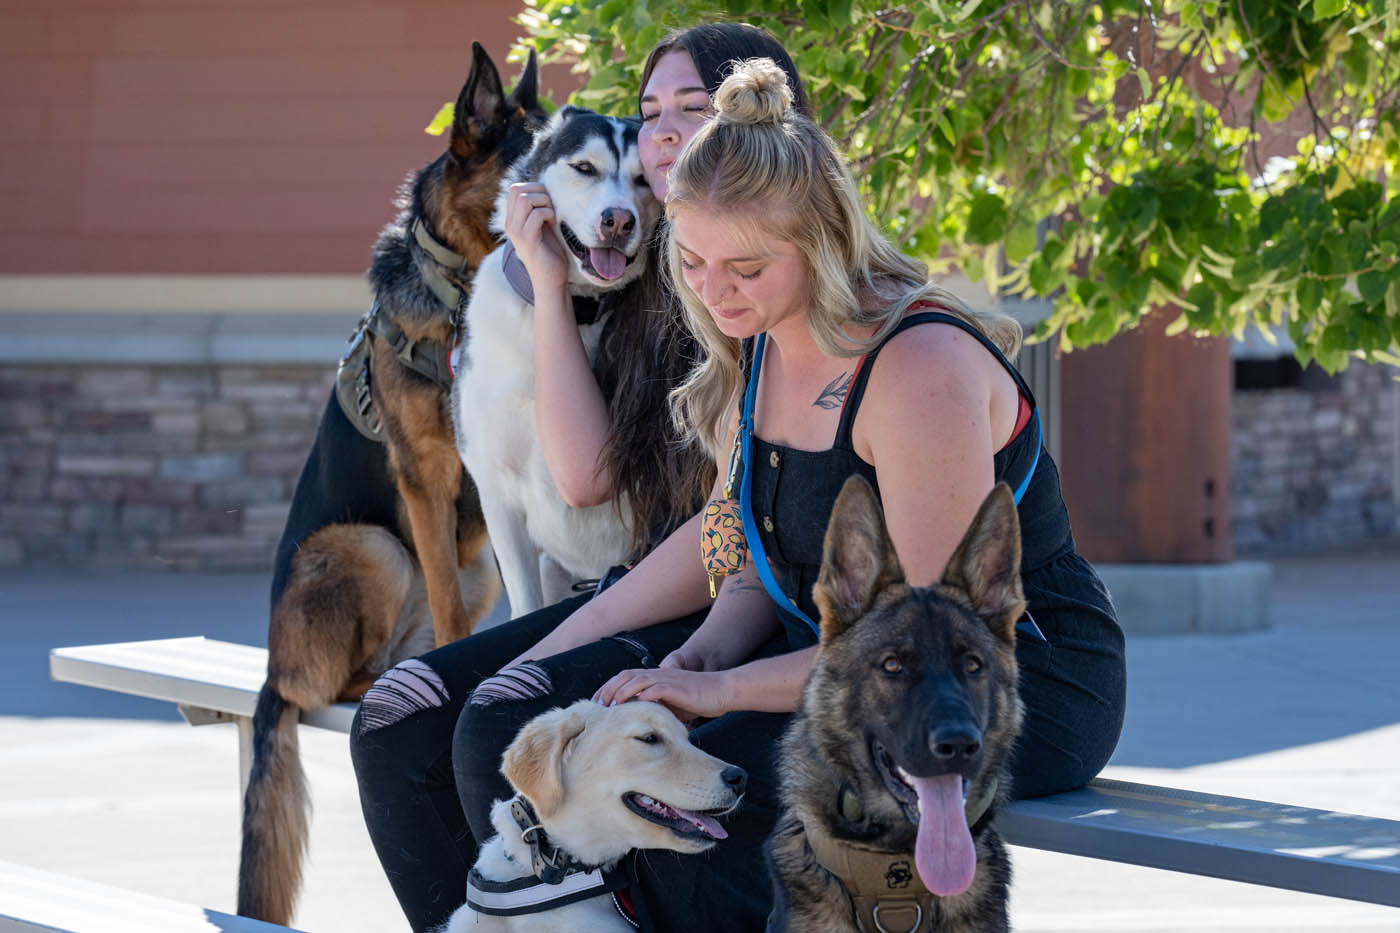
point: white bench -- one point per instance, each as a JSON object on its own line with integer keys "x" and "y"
{"x": 36, "y": 900}
{"x": 1337, "y": 854}
{"x": 209, "y": 681}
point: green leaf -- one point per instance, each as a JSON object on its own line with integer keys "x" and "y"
{"x": 1020, "y": 242}
{"x": 1309, "y": 295}
{"x": 986, "y": 223}
{"x": 839, "y": 12}
{"x": 1326, "y": 9}
{"x": 442, "y": 120}
{"x": 1372, "y": 286}
{"x": 945, "y": 127}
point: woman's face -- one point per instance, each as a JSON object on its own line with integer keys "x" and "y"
{"x": 749, "y": 284}
{"x": 675, "y": 104}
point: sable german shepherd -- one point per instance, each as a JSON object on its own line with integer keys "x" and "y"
{"x": 385, "y": 552}
{"x": 896, "y": 764}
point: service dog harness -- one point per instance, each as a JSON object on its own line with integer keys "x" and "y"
{"x": 885, "y": 890}
{"x": 558, "y": 878}
{"x": 428, "y": 358}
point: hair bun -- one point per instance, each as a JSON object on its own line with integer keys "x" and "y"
{"x": 756, "y": 91}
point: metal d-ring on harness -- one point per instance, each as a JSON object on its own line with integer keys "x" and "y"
{"x": 429, "y": 358}
{"x": 558, "y": 878}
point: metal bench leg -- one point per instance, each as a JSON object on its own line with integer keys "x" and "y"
{"x": 203, "y": 716}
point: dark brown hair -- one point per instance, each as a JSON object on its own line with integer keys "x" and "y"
{"x": 647, "y": 350}
{"x": 714, "y": 47}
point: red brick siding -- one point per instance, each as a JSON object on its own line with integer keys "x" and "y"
{"x": 227, "y": 137}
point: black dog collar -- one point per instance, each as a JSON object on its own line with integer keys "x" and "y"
{"x": 559, "y": 878}
{"x": 549, "y": 863}
{"x": 586, "y": 310}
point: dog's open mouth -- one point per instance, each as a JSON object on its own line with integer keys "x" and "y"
{"x": 901, "y": 784}
{"x": 602, "y": 262}
{"x": 692, "y": 824}
{"x": 944, "y": 852}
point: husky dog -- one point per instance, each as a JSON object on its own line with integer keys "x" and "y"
{"x": 384, "y": 553}
{"x": 898, "y": 760}
{"x": 604, "y": 216}
{"x": 593, "y": 783}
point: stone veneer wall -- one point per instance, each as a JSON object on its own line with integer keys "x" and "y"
{"x": 1317, "y": 467}
{"x": 142, "y": 466}
{"x": 175, "y": 440}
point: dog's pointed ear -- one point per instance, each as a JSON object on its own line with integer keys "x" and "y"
{"x": 534, "y": 761}
{"x": 986, "y": 566}
{"x": 527, "y": 89}
{"x": 481, "y": 103}
{"x": 858, "y": 559}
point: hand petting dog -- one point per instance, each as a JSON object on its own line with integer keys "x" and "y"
{"x": 689, "y": 692}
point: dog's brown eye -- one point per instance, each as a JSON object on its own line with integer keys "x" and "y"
{"x": 892, "y": 665}
{"x": 641, "y": 181}
{"x": 651, "y": 738}
{"x": 585, "y": 168}
{"x": 972, "y": 664}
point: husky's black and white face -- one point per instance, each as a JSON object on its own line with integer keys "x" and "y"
{"x": 604, "y": 207}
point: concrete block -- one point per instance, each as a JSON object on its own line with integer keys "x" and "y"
{"x": 1165, "y": 599}
{"x": 201, "y": 467}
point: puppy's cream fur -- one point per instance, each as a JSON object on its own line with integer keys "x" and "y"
{"x": 575, "y": 765}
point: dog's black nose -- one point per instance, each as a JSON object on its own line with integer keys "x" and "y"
{"x": 955, "y": 742}
{"x": 735, "y": 778}
{"x": 618, "y": 222}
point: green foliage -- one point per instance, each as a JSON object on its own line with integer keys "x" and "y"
{"x": 1233, "y": 159}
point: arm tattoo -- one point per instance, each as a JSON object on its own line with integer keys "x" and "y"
{"x": 741, "y": 582}
{"x": 834, "y": 395}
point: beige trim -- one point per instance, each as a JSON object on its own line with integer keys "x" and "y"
{"x": 338, "y": 293}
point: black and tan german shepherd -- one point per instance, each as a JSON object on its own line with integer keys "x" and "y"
{"x": 897, "y": 762}
{"x": 384, "y": 553}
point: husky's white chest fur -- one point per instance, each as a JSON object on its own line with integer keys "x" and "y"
{"x": 604, "y": 212}
{"x": 494, "y": 416}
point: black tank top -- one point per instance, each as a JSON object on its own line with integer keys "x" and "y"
{"x": 794, "y": 490}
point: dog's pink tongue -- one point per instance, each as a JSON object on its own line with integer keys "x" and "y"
{"x": 607, "y": 262}
{"x": 944, "y": 853}
{"x": 706, "y": 824}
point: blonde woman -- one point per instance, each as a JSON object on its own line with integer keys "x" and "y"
{"x": 856, "y": 365}
{"x": 799, "y": 303}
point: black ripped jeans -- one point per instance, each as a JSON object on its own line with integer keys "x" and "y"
{"x": 428, "y": 766}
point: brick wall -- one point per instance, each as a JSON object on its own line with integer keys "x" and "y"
{"x": 179, "y": 467}
{"x": 1316, "y": 466}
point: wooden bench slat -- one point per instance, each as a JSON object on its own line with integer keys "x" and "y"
{"x": 31, "y": 899}
{"x": 1324, "y": 852}
{"x": 196, "y": 671}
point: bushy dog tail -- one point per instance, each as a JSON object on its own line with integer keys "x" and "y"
{"x": 275, "y": 814}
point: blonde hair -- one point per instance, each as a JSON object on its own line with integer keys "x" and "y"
{"x": 775, "y": 170}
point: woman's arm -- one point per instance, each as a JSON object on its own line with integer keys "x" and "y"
{"x": 742, "y": 619}
{"x": 571, "y": 417}
{"x": 926, "y": 424}
{"x": 770, "y": 685}
{"x": 667, "y": 584}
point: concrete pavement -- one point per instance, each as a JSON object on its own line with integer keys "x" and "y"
{"x": 118, "y": 790}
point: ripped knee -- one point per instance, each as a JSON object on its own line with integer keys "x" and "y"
{"x": 406, "y": 688}
{"x": 524, "y": 681}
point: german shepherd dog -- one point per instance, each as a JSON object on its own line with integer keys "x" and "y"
{"x": 605, "y": 213}
{"x": 896, "y": 764}
{"x": 385, "y": 552}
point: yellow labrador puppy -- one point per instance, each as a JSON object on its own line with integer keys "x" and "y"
{"x": 592, "y": 783}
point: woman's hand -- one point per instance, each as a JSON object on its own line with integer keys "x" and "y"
{"x": 688, "y": 694}
{"x": 529, "y": 222}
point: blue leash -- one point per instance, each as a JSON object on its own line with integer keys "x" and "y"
{"x": 756, "y": 551}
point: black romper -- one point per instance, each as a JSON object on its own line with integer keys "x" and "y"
{"x": 1073, "y": 679}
